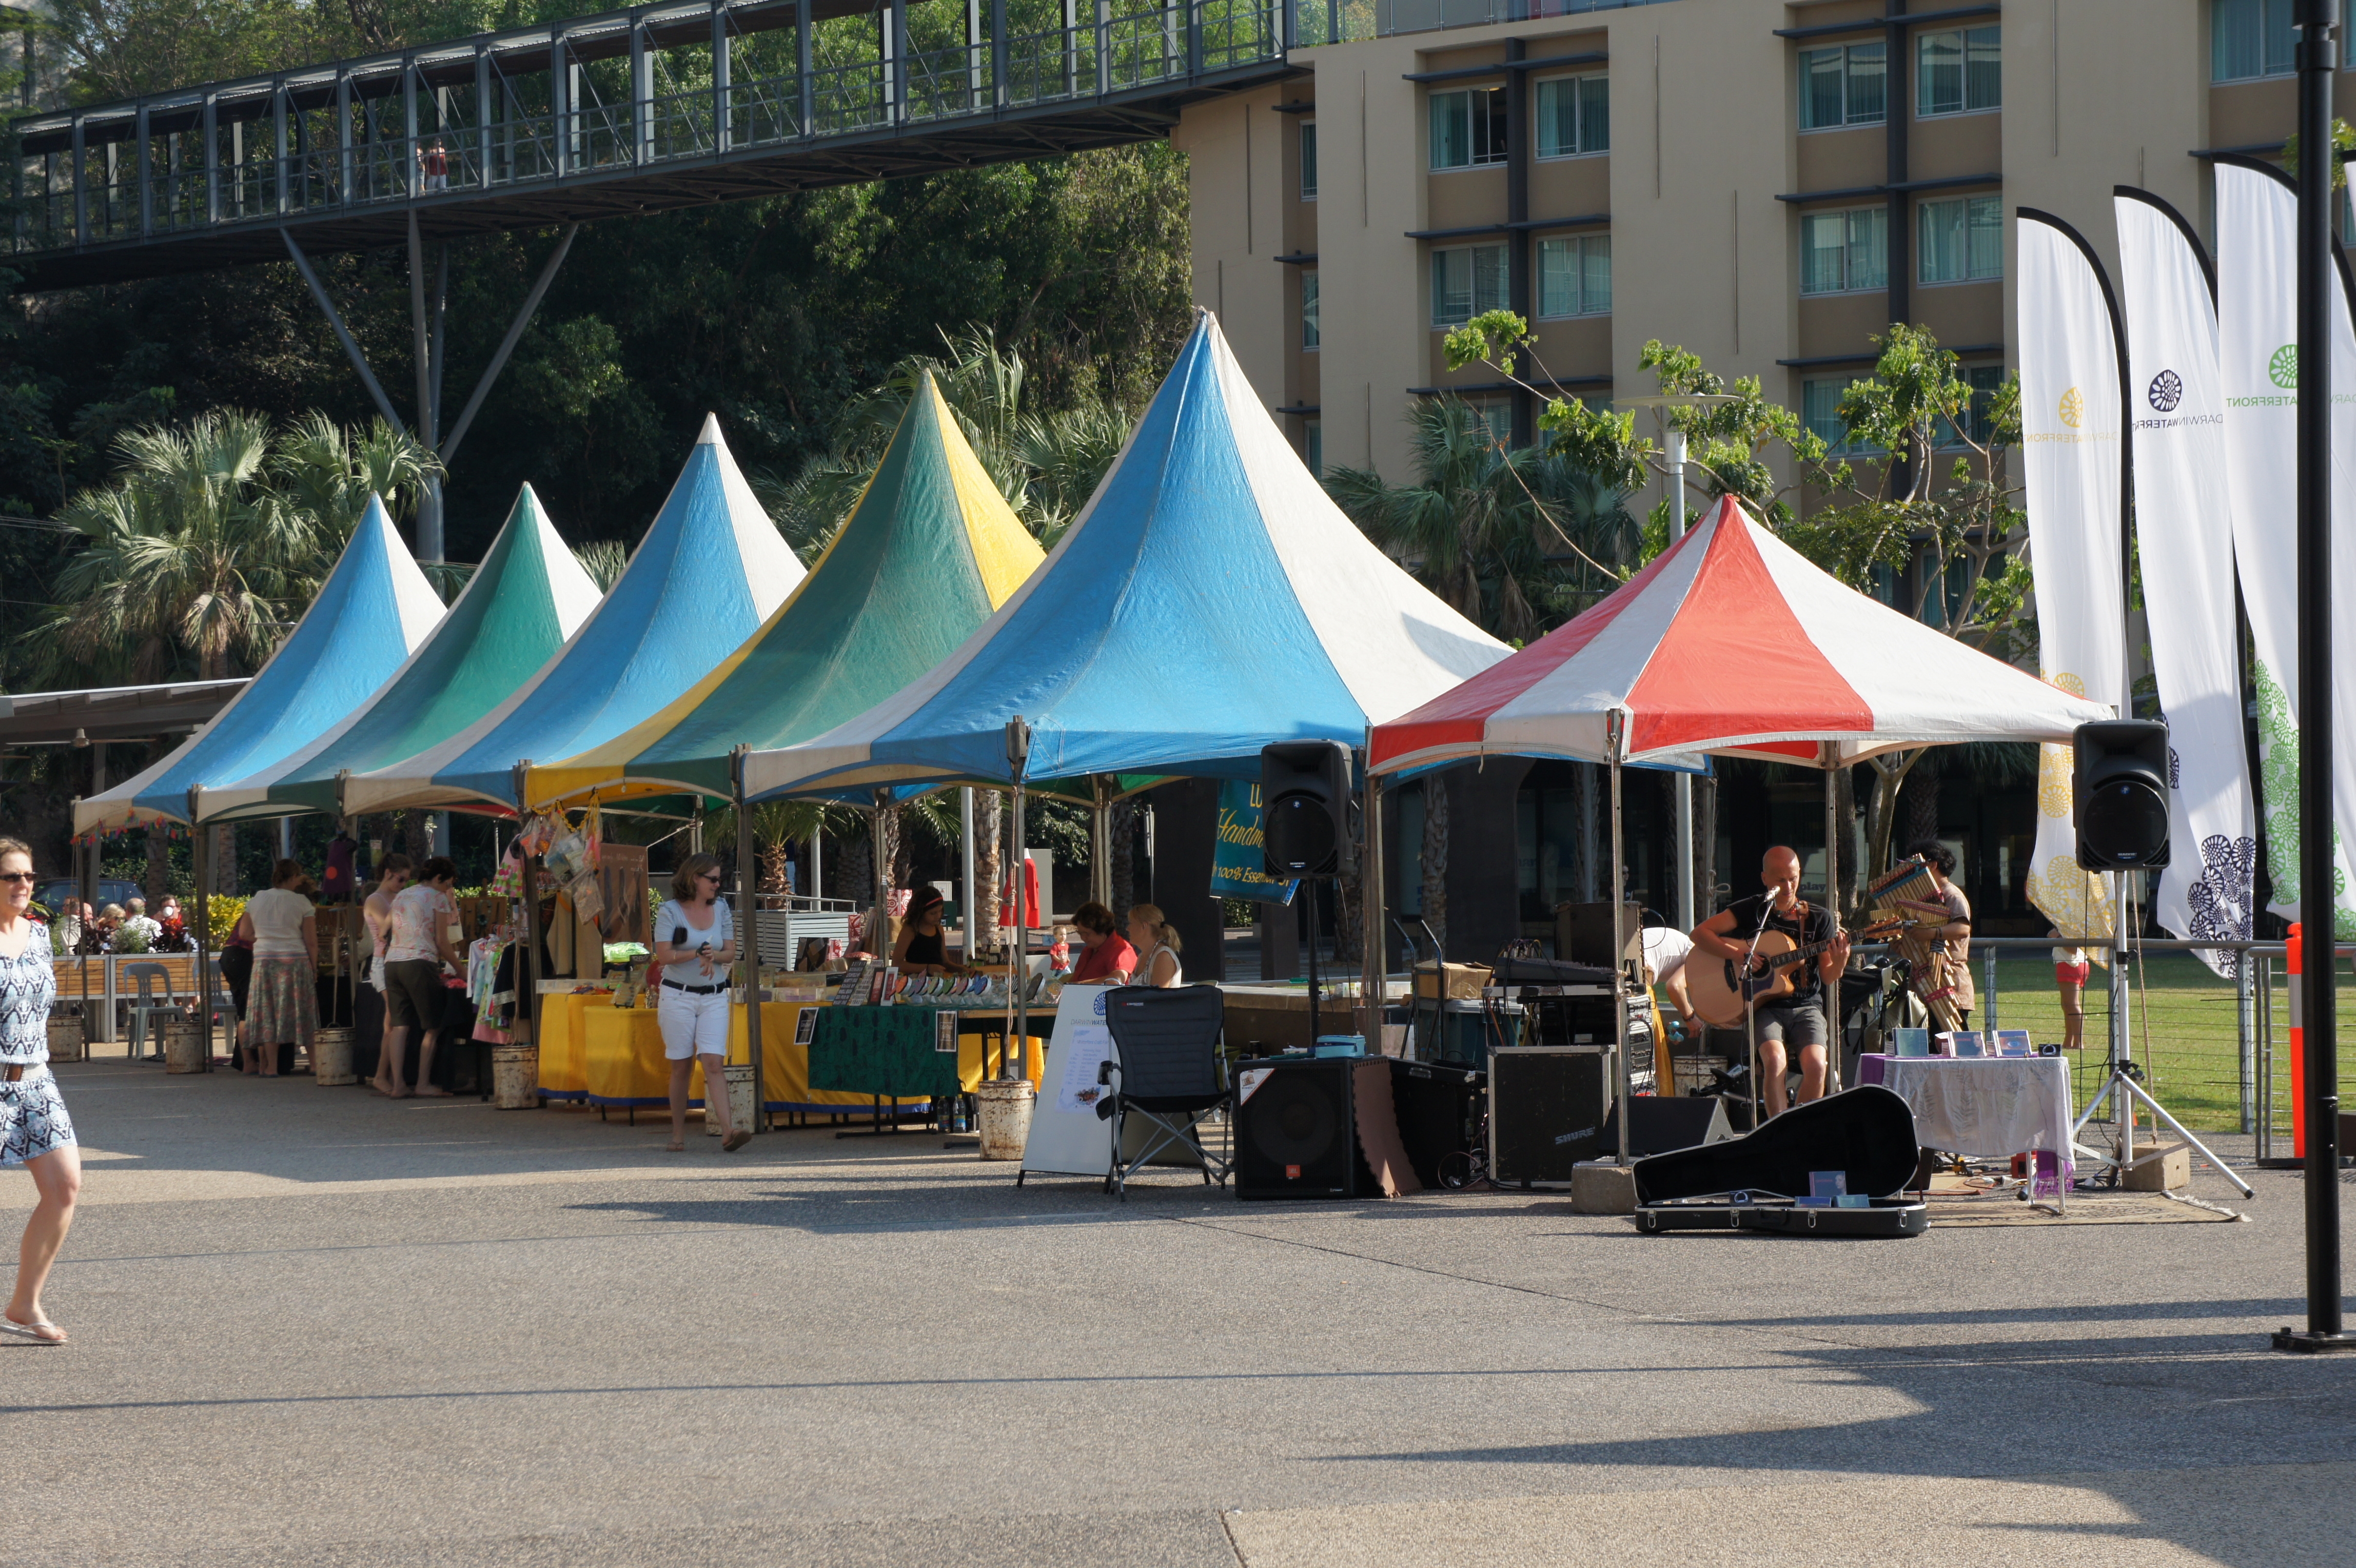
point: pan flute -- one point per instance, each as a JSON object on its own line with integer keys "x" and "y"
{"x": 1907, "y": 899}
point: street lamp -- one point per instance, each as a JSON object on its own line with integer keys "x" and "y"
{"x": 1673, "y": 448}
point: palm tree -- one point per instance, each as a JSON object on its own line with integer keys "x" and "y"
{"x": 188, "y": 556}
{"x": 1508, "y": 538}
{"x": 603, "y": 560}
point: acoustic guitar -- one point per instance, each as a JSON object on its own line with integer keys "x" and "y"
{"x": 1722, "y": 998}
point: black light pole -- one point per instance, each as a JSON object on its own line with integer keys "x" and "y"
{"x": 2317, "y": 24}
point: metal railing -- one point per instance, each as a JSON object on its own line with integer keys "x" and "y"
{"x": 515, "y": 109}
{"x": 2211, "y": 1045}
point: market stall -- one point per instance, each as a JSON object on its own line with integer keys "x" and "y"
{"x": 1728, "y": 644}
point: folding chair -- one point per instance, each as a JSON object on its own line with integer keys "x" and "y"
{"x": 145, "y": 1005}
{"x": 1165, "y": 1068}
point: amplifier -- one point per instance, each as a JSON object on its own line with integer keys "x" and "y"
{"x": 1550, "y": 1107}
{"x": 1296, "y": 1131}
{"x": 1436, "y": 1105}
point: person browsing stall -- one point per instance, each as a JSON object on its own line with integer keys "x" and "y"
{"x": 418, "y": 944}
{"x": 1796, "y": 1021}
{"x": 1106, "y": 957}
{"x": 283, "y": 995}
{"x": 1666, "y": 952}
{"x": 695, "y": 943}
{"x": 920, "y": 948}
{"x": 1156, "y": 941}
{"x": 391, "y": 877}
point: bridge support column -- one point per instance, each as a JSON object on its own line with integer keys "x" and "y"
{"x": 723, "y": 124}
{"x": 802, "y": 64}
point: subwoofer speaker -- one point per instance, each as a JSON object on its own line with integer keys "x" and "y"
{"x": 1660, "y": 1124}
{"x": 1550, "y": 1107}
{"x": 1296, "y": 1135}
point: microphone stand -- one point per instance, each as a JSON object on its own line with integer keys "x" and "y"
{"x": 1751, "y": 1013}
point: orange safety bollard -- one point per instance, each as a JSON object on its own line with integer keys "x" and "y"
{"x": 2297, "y": 1052}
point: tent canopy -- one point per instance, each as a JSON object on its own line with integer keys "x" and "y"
{"x": 930, "y": 550}
{"x": 1731, "y": 643}
{"x": 710, "y": 568}
{"x": 527, "y": 597}
{"x": 371, "y": 614}
{"x": 1210, "y": 599}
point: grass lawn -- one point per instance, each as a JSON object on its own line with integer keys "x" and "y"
{"x": 2190, "y": 1048}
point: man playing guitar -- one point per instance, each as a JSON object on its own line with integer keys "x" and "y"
{"x": 1798, "y": 1019}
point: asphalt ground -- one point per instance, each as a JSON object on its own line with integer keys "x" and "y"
{"x": 311, "y": 1326}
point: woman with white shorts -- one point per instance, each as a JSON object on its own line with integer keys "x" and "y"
{"x": 695, "y": 942}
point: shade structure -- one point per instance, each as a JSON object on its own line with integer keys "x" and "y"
{"x": 525, "y": 598}
{"x": 710, "y": 568}
{"x": 1208, "y": 601}
{"x": 1731, "y": 643}
{"x": 370, "y": 615}
{"x": 930, "y": 550}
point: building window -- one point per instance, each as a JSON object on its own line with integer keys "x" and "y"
{"x": 2250, "y": 38}
{"x": 1309, "y": 160}
{"x": 1468, "y": 128}
{"x": 1312, "y": 447}
{"x": 1575, "y": 275}
{"x": 1574, "y": 116}
{"x": 1820, "y": 410}
{"x": 1985, "y": 380}
{"x": 1497, "y": 413}
{"x": 1846, "y": 251}
{"x": 1960, "y": 71}
{"x": 1465, "y": 281}
{"x": 1308, "y": 307}
{"x": 1844, "y": 85}
{"x": 1961, "y": 241}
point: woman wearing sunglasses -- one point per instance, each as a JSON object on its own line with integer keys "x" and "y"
{"x": 35, "y": 1130}
{"x": 695, "y": 942}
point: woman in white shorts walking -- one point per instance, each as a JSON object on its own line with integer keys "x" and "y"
{"x": 695, "y": 942}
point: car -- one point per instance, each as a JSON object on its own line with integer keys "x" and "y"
{"x": 111, "y": 890}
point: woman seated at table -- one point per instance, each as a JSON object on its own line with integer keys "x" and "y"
{"x": 1156, "y": 940}
{"x": 921, "y": 947}
{"x": 1106, "y": 956}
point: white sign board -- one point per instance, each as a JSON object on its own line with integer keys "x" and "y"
{"x": 1067, "y": 1136}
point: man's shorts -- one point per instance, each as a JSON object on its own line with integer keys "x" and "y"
{"x": 412, "y": 995}
{"x": 1797, "y": 1024}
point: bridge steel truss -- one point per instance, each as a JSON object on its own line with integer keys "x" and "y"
{"x": 649, "y": 110}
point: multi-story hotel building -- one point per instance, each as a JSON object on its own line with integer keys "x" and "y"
{"x": 1767, "y": 184}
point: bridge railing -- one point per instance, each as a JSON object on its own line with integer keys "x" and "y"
{"x": 514, "y": 110}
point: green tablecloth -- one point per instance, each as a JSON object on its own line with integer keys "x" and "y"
{"x": 881, "y": 1050}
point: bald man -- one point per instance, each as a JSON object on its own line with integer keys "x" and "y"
{"x": 1796, "y": 1021}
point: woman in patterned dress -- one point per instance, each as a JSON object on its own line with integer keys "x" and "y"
{"x": 35, "y": 1130}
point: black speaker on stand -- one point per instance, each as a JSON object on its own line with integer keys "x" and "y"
{"x": 1304, "y": 803}
{"x": 2119, "y": 786}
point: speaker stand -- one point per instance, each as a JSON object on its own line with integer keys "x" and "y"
{"x": 2124, "y": 1094}
{"x": 1309, "y": 891}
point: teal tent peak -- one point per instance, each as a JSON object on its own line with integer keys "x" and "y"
{"x": 374, "y": 609}
{"x": 710, "y": 568}
{"x": 525, "y": 598}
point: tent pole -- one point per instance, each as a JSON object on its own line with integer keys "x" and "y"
{"x": 1018, "y": 759}
{"x": 1619, "y": 937}
{"x": 1100, "y": 842}
{"x": 1371, "y": 908}
{"x": 748, "y": 924}
{"x": 1832, "y": 902}
{"x": 528, "y": 972}
{"x": 968, "y": 896}
{"x": 199, "y": 862}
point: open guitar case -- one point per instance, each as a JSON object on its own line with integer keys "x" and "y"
{"x": 1755, "y": 1182}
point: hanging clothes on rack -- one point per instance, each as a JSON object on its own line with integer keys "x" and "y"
{"x": 487, "y": 960}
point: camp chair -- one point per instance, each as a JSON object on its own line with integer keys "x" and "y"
{"x": 1165, "y": 1068}
{"x": 144, "y": 1004}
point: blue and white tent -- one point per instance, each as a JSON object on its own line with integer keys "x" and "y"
{"x": 371, "y": 614}
{"x": 709, "y": 570}
{"x": 1210, "y": 600}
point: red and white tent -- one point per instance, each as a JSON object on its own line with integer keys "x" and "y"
{"x": 1730, "y": 642}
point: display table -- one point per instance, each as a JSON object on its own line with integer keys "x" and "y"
{"x": 1992, "y": 1107}
{"x": 892, "y": 1051}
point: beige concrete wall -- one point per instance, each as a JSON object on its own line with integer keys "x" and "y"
{"x": 1705, "y": 138}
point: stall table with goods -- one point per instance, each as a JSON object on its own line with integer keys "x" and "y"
{"x": 1990, "y": 1107}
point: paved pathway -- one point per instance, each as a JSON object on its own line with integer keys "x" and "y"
{"x": 312, "y": 1326}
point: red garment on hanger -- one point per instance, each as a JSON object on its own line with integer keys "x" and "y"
{"x": 1030, "y": 896}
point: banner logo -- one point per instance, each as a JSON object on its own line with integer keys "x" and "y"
{"x": 2073, "y": 407}
{"x": 2166, "y": 391}
{"x": 2283, "y": 368}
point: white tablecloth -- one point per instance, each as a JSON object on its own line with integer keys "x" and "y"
{"x": 1988, "y": 1106}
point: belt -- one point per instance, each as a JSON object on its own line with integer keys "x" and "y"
{"x": 693, "y": 990}
{"x": 14, "y": 1071}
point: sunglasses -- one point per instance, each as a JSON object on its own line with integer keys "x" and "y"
{"x": 700, "y": 877}
{"x": 21, "y": 876}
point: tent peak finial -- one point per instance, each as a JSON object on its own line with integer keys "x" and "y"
{"x": 709, "y": 434}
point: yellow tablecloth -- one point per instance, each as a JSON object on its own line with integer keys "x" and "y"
{"x": 615, "y": 1056}
{"x": 563, "y": 1062}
